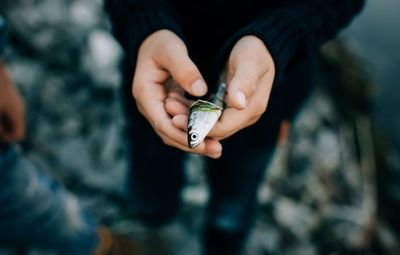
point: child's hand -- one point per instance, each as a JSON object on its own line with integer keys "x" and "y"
{"x": 162, "y": 56}
{"x": 12, "y": 110}
{"x": 250, "y": 74}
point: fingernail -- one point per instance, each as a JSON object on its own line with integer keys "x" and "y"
{"x": 199, "y": 87}
{"x": 215, "y": 151}
{"x": 241, "y": 98}
{"x": 215, "y": 156}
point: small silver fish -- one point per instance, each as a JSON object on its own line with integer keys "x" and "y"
{"x": 203, "y": 115}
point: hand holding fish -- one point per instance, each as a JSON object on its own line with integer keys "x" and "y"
{"x": 250, "y": 74}
{"x": 162, "y": 56}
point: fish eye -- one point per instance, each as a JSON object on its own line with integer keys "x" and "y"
{"x": 194, "y": 136}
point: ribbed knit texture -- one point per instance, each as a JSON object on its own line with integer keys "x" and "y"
{"x": 283, "y": 34}
{"x": 291, "y": 30}
{"x": 134, "y": 21}
{"x": 294, "y": 31}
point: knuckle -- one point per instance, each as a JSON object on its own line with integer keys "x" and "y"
{"x": 170, "y": 47}
{"x": 259, "y": 109}
{"x": 248, "y": 82}
{"x": 186, "y": 77}
{"x": 162, "y": 127}
{"x": 166, "y": 141}
{"x": 136, "y": 90}
{"x": 140, "y": 109}
{"x": 254, "y": 120}
{"x": 222, "y": 137}
{"x": 258, "y": 112}
{"x": 182, "y": 75}
{"x": 220, "y": 131}
{"x": 236, "y": 56}
{"x": 218, "y": 137}
{"x": 156, "y": 126}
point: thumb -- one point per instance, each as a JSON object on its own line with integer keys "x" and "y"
{"x": 182, "y": 69}
{"x": 243, "y": 84}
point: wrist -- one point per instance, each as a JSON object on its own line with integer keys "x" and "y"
{"x": 163, "y": 36}
{"x": 159, "y": 41}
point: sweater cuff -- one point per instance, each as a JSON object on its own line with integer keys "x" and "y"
{"x": 133, "y": 23}
{"x": 285, "y": 36}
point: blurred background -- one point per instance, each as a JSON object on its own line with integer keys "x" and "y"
{"x": 333, "y": 186}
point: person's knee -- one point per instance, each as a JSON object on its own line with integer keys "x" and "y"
{"x": 233, "y": 216}
{"x": 155, "y": 212}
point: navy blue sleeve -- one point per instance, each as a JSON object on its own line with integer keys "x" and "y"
{"x": 296, "y": 29}
{"x": 134, "y": 20}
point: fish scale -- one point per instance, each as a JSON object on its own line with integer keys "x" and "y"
{"x": 203, "y": 115}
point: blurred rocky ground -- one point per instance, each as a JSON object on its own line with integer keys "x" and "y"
{"x": 374, "y": 35}
{"x": 65, "y": 62}
{"x": 331, "y": 188}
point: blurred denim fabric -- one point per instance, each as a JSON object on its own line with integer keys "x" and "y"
{"x": 36, "y": 211}
{"x": 2, "y": 35}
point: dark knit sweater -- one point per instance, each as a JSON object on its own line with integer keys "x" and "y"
{"x": 291, "y": 29}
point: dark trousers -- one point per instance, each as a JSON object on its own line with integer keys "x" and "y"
{"x": 157, "y": 178}
{"x": 157, "y": 175}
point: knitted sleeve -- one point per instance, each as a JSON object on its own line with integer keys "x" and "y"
{"x": 296, "y": 29}
{"x": 134, "y": 20}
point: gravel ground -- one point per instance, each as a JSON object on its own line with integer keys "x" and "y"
{"x": 321, "y": 194}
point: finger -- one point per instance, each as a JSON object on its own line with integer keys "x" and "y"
{"x": 177, "y": 135}
{"x": 170, "y": 142}
{"x": 233, "y": 120}
{"x": 175, "y": 59}
{"x": 150, "y": 95}
{"x": 161, "y": 123}
{"x": 215, "y": 156}
{"x": 213, "y": 147}
{"x": 180, "y": 121}
{"x": 208, "y": 147}
{"x": 174, "y": 136}
{"x": 246, "y": 75}
{"x": 225, "y": 127}
{"x": 150, "y": 98}
{"x": 180, "y": 98}
{"x": 174, "y": 107}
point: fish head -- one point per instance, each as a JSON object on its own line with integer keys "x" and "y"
{"x": 194, "y": 138}
{"x": 203, "y": 116}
